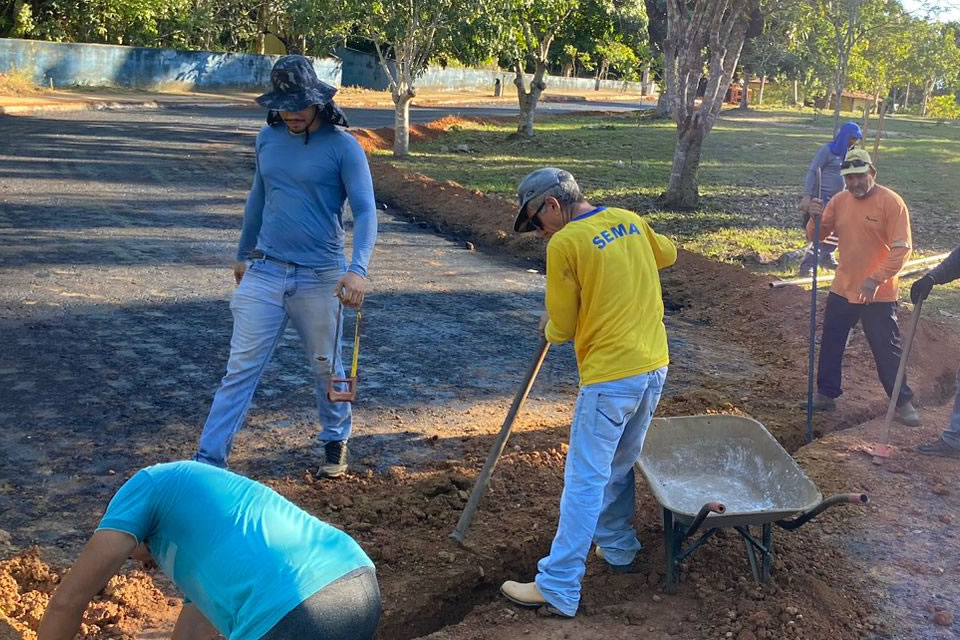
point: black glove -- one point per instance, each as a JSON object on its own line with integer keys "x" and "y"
{"x": 921, "y": 289}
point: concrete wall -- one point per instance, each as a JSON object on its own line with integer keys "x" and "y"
{"x": 99, "y": 65}
{"x": 363, "y": 70}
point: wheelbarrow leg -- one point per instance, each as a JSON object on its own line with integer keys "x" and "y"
{"x": 670, "y": 548}
{"x": 751, "y": 554}
{"x": 768, "y": 554}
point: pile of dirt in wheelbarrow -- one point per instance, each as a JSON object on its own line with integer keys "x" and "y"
{"x": 129, "y": 603}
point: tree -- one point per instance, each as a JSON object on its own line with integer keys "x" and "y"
{"x": 657, "y": 33}
{"x": 703, "y": 44}
{"x": 405, "y": 35}
{"x": 617, "y": 55}
{"x": 533, "y": 26}
{"x": 849, "y": 22}
{"x": 944, "y": 108}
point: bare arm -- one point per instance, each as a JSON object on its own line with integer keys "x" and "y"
{"x": 99, "y": 561}
{"x": 193, "y": 625}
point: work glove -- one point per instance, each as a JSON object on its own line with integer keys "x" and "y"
{"x": 921, "y": 289}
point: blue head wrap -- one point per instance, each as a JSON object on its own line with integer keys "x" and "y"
{"x": 841, "y": 143}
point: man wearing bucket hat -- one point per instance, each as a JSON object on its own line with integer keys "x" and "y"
{"x": 290, "y": 263}
{"x": 873, "y": 225}
{"x": 603, "y": 292}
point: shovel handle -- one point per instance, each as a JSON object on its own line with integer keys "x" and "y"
{"x": 480, "y": 486}
{"x": 901, "y": 371}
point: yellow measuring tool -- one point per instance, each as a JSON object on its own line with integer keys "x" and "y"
{"x": 334, "y": 394}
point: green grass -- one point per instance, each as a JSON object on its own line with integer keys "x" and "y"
{"x": 751, "y": 174}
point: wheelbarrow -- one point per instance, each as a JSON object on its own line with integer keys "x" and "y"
{"x": 710, "y": 472}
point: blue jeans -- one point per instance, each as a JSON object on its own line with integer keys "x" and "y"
{"x": 952, "y": 433}
{"x": 268, "y": 295}
{"x": 598, "y": 502}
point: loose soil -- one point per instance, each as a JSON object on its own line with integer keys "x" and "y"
{"x": 855, "y": 572}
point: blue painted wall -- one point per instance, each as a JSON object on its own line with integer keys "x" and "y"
{"x": 363, "y": 70}
{"x": 101, "y": 65}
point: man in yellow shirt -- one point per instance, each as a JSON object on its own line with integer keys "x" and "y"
{"x": 603, "y": 292}
{"x": 873, "y": 225}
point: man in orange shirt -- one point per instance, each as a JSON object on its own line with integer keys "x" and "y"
{"x": 873, "y": 225}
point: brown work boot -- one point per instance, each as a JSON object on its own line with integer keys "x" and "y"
{"x": 335, "y": 459}
{"x": 907, "y": 415}
{"x": 616, "y": 568}
{"x": 526, "y": 594}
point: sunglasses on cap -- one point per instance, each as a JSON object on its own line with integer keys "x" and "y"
{"x": 854, "y": 163}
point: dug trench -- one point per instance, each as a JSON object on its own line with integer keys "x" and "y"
{"x": 820, "y": 587}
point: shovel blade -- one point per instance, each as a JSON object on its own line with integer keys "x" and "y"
{"x": 880, "y": 452}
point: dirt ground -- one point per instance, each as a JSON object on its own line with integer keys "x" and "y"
{"x": 886, "y": 570}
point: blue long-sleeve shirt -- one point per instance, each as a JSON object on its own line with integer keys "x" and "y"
{"x": 295, "y": 208}
{"x": 948, "y": 270}
{"x": 830, "y": 178}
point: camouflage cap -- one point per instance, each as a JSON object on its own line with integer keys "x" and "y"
{"x": 295, "y": 86}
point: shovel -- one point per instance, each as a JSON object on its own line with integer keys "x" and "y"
{"x": 480, "y": 486}
{"x": 813, "y": 309}
{"x": 335, "y": 386}
{"x": 883, "y": 449}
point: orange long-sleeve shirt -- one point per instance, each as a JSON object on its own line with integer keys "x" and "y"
{"x": 875, "y": 241}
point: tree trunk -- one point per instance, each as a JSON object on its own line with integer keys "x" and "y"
{"x": 763, "y": 83}
{"x": 682, "y": 192}
{"x": 663, "y": 104}
{"x": 927, "y": 90}
{"x": 744, "y": 87}
{"x": 645, "y": 81}
{"x": 906, "y": 98}
{"x": 401, "y": 124}
{"x": 263, "y": 18}
{"x": 795, "y": 94}
{"x": 528, "y": 99}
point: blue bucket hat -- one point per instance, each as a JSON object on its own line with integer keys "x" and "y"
{"x": 295, "y": 86}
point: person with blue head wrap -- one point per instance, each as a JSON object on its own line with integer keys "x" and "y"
{"x": 828, "y": 159}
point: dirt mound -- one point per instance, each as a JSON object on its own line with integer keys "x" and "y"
{"x": 126, "y": 605}
{"x": 382, "y": 139}
{"x": 429, "y": 582}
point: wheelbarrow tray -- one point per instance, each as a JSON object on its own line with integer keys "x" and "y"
{"x": 690, "y": 461}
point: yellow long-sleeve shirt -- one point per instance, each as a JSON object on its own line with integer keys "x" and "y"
{"x": 603, "y": 291}
{"x": 875, "y": 241}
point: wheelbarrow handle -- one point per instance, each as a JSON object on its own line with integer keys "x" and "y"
{"x": 840, "y": 498}
{"x": 705, "y": 510}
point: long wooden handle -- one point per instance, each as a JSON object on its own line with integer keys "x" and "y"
{"x": 901, "y": 371}
{"x": 480, "y": 487}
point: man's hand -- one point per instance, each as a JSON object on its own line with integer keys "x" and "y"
{"x": 815, "y": 208}
{"x": 239, "y": 268}
{"x": 921, "y": 289}
{"x": 868, "y": 290}
{"x": 804, "y": 204}
{"x": 542, "y": 327}
{"x": 351, "y": 289}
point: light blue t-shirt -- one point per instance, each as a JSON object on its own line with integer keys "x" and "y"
{"x": 239, "y": 551}
{"x": 295, "y": 208}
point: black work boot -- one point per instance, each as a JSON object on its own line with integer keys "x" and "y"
{"x": 335, "y": 459}
{"x": 938, "y": 448}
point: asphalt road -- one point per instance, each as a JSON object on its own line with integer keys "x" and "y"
{"x": 117, "y": 234}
